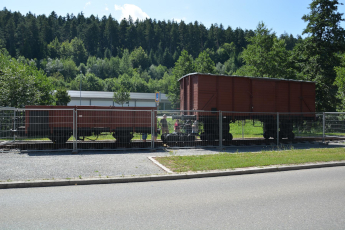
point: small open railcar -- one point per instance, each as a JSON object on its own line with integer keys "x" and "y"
{"x": 57, "y": 122}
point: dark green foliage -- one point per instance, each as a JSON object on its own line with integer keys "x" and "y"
{"x": 340, "y": 83}
{"x": 183, "y": 66}
{"x": 151, "y": 55}
{"x": 317, "y": 55}
{"x": 21, "y": 83}
{"x": 89, "y": 82}
{"x": 41, "y": 37}
{"x": 139, "y": 58}
{"x": 54, "y": 48}
{"x": 78, "y": 51}
{"x": 61, "y": 97}
{"x": 204, "y": 64}
{"x": 266, "y": 56}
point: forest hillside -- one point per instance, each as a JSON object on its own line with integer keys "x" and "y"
{"x": 149, "y": 55}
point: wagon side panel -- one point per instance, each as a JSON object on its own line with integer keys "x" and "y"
{"x": 182, "y": 89}
{"x": 195, "y": 97}
{"x": 48, "y": 119}
{"x": 142, "y": 120}
{"x": 242, "y": 94}
{"x": 282, "y": 94}
{"x": 264, "y": 95}
{"x": 308, "y": 98}
{"x": 207, "y": 99}
{"x": 295, "y": 97}
{"x": 225, "y": 93}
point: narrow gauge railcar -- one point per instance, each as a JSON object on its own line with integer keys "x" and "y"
{"x": 56, "y": 122}
{"x": 247, "y": 95}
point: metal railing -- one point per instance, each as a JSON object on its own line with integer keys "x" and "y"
{"x": 81, "y": 129}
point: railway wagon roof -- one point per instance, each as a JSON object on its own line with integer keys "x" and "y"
{"x": 260, "y": 78}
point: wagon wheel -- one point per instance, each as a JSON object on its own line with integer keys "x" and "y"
{"x": 123, "y": 137}
{"x": 59, "y": 137}
{"x": 291, "y": 136}
{"x": 191, "y": 138}
{"x": 228, "y": 137}
{"x": 163, "y": 138}
{"x": 211, "y": 137}
{"x": 203, "y": 136}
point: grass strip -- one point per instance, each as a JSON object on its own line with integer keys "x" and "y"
{"x": 242, "y": 160}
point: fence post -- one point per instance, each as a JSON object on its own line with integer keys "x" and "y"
{"x": 278, "y": 129}
{"x": 152, "y": 130}
{"x": 243, "y": 129}
{"x": 14, "y": 124}
{"x": 220, "y": 129}
{"x": 74, "y": 131}
{"x": 323, "y": 126}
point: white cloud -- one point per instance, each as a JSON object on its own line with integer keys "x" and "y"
{"x": 106, "y": 7}
{"x": 87, "y": 4}
{"x": 134, "y": 11}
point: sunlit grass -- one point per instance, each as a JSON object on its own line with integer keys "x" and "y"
{"x": 246, "y": 129}
{"x": 242, "y": 160}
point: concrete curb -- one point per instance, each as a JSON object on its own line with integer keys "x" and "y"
{"x": 88, "y": 181}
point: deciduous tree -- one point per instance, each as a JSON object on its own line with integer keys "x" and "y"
{"x": 121, "y": 96}
{"x": 203, "y": 63}
{"x": 183, "y": 66}
{"x": 61, "y": 97}
{"x": 265, "y": 56}
{"x": 22, "y": 84}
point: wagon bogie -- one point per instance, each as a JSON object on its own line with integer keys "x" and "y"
{"x": 178, "y": 138}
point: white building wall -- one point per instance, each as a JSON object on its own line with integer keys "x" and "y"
{"x": 75, "y": 101}
{"x": 146, "y": 104}
{"x": 101, "y": 102}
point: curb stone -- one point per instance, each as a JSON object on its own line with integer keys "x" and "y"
{"x": 170, "y": 176}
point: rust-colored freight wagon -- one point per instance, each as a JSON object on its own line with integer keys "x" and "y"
{"x": 208, "y": 92}
{"x": 56, "y": 122}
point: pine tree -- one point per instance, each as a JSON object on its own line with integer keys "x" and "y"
{"x": 317, "y": 56}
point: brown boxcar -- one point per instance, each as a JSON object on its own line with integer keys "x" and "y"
{"x": 245, "y": 94}
{"x": 56, "y": 122}
{"x": 208, "y": 92}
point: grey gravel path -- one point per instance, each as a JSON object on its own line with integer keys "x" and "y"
{"x": 23, "y": 166}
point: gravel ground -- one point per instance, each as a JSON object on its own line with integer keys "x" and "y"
{"x": 19, "y": 166}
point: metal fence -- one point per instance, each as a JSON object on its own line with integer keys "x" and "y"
{"x": 80, "y": 129}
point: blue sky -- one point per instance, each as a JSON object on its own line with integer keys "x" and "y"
{"x": 279, "y": 15}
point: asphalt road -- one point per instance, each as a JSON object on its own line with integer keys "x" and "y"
{"x": 303, "y": 199}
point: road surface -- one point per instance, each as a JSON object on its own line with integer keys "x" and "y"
{"x": 303, "y": 199}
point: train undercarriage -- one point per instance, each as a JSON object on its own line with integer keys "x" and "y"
{"x": 63, "y": 134}
{"x": 209, "y": 128}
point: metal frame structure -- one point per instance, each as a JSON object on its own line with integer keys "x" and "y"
{"x": 213, "y": 127}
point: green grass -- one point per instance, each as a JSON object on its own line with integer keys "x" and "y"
{"x": 249, "y": 130}
{"x": 242, "y": 160}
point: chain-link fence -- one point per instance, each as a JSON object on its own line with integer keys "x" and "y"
{"x": 334, "y": 124}
{"x": 7, "y": 124}
{"x": 80, "y": 128}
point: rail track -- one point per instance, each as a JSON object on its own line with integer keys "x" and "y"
{"x": 85, "y": 145}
